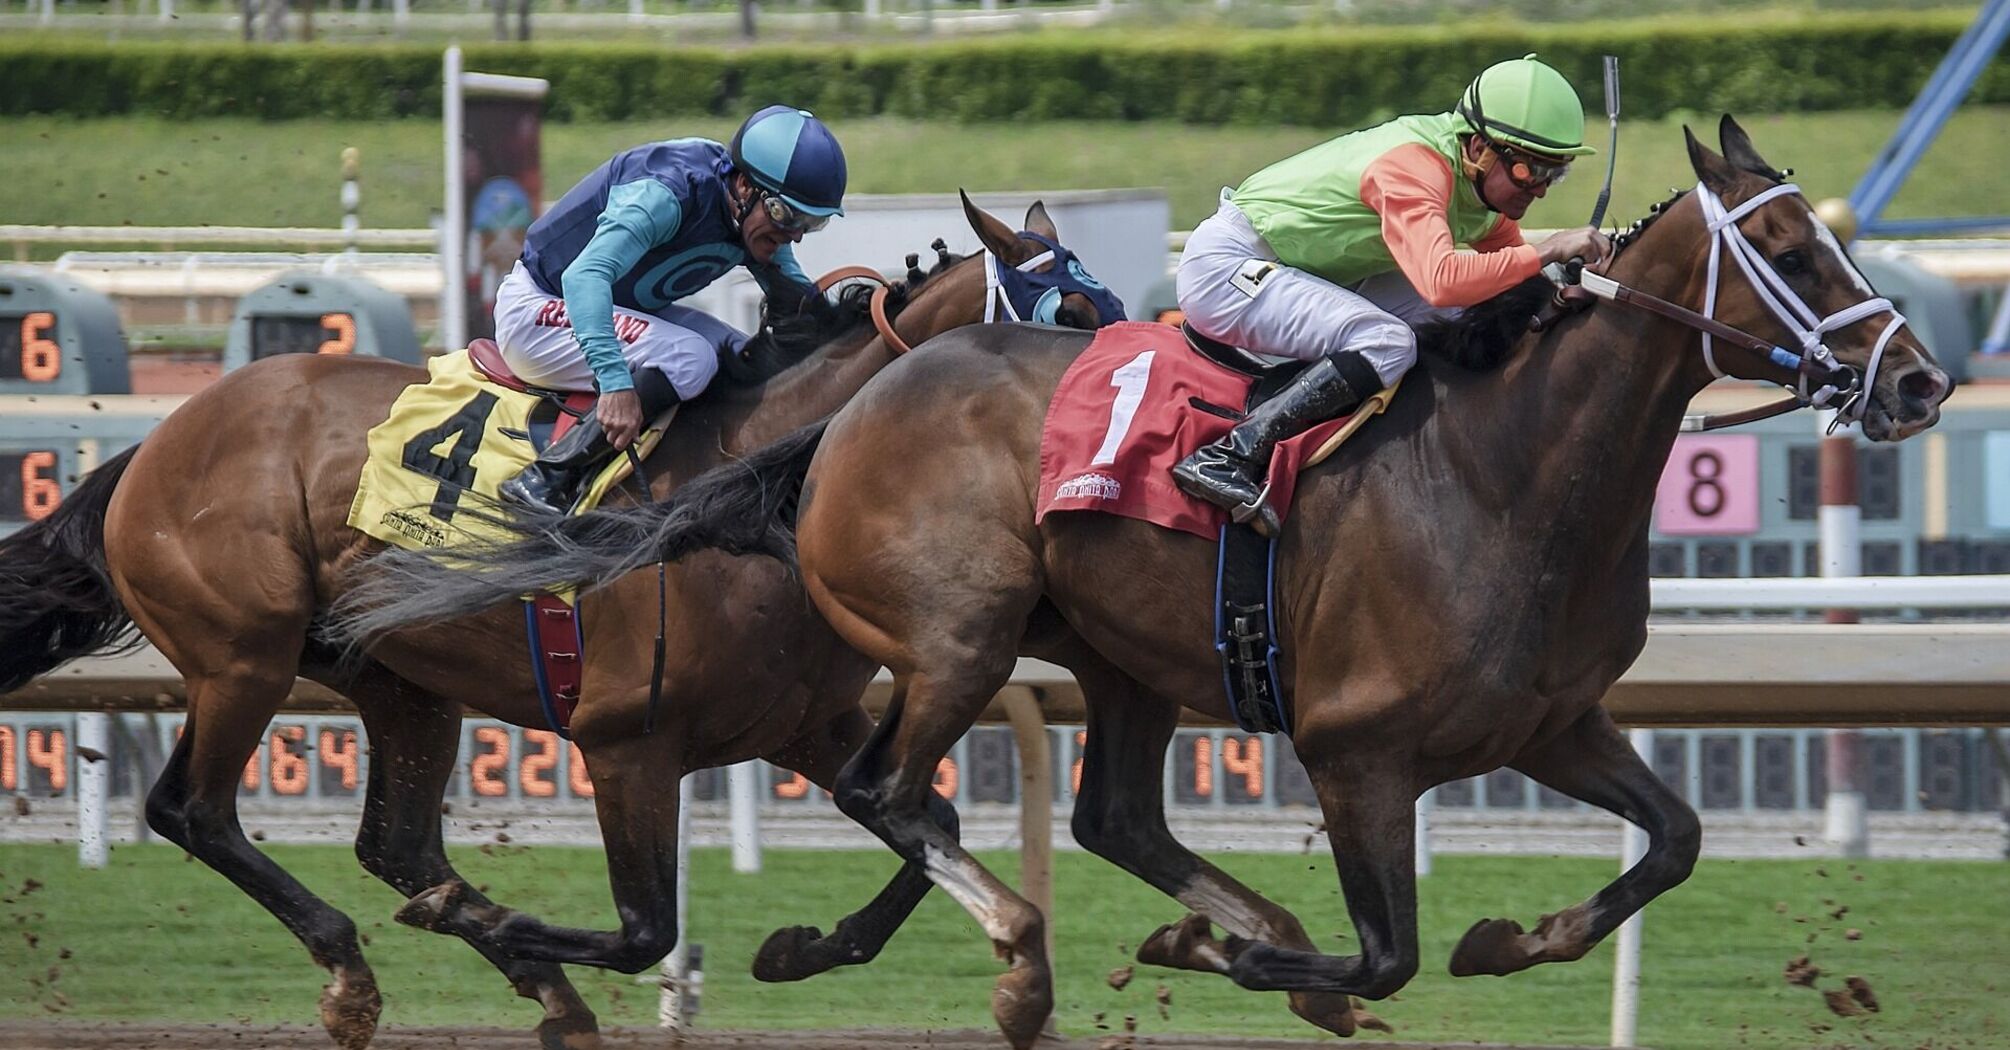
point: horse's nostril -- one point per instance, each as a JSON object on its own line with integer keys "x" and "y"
{"x": 1923, "y": 388}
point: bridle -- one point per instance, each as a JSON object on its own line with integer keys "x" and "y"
{"x": 882, "y": 288}
{"x": 1818, "y": 379}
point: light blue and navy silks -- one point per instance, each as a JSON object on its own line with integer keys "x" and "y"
{"x": 649, "y": 227}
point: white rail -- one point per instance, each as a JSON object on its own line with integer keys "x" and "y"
{"x": 1861, "y": 592}
{"x": 23, "y": 235}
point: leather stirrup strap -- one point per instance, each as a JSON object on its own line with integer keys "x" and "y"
{"x": 880, "y": 320}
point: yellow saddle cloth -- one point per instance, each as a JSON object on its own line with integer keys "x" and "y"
{"x": 456, "y": 433}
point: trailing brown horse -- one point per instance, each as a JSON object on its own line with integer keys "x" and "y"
{"x": 222, "y": 537}
{"x": 1459, "y": 586}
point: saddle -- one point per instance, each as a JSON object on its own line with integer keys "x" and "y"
{"x": 558, "y": 409}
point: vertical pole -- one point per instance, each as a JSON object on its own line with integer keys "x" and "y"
{"x": 1841, "y": 527}
{"x": 167, "y": 11}
{"x": 1036, "y": 805}
{"x": 670, "y": 1006}
{"x": 94, "y": 787}
{"x": 1425, "y": 803}
{"x": 1626, "y": 961}
{"x": 454, "y": 241}
{"x": 352, "y": 198}
{"x": 743, "y": 789}
{"x": 401, "y": 14}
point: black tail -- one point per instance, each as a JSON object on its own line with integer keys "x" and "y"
{"x": 747, "y": 506}
{"x": 56, "y": 596}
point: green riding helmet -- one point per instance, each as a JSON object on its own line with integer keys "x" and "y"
{"x": 1525, "y": 103}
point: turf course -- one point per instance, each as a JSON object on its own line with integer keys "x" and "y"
{"x": 150, "y": 172}
{"x": 156, "y": 937}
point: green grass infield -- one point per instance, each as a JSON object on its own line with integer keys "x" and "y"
{"x": 155, "y": 936}
{"x": 150, "y": 172}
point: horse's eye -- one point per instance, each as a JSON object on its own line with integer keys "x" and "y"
{"x": 1789, "y": 263}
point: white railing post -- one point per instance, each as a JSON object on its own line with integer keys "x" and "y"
{"x": 743, "y": 790}
{"x": 94, "y": 787}
{"x": 1425, "y": 803}
{"x": 453, "y": 285}
{"x": 1841, "y": 529}
{"x": 1626, "y": 961}
{"x": 352, "y": 198}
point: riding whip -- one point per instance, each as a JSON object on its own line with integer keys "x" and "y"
{"x": 1612, "y": 151}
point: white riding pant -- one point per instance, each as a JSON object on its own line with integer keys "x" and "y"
{"x": 1232, "y": 289}
{"x": 537, "y": 343}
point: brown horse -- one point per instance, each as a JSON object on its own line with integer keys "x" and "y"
{"x": 222, "y": 537}
{"x": 1459, "y": 586}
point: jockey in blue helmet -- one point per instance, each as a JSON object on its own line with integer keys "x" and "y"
{"x": 592, "y": 301}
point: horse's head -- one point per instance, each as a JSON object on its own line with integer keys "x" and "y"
{"x": 1787, "y": 278}
{"x": 1031, "y": 276}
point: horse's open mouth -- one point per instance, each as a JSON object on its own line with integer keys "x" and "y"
{"x": 1881, "y": 423}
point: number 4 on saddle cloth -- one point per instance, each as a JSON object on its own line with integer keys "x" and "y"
{"x": 1135, "y": 403}
{"x": 465, "y": 430}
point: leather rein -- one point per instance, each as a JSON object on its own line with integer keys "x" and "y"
{"x": 1819, "y": 380}
{"x": 881, "y": 288}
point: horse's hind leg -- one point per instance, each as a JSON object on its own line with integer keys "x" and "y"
{"x": 414, "y": 736}
{"x": 1120, "y": 816}
{"x": 1592, "y": 761}
{"x": 886, "y": 789}
{"x": 194, "y": 805}
{"x": 793, "y": 953}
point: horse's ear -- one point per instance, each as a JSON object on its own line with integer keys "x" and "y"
{"x": 995, "y": 235}
{"x": 1738, "y": 151}
{"x": 1710, "y": 168}
{"x": 1038, "y": 221}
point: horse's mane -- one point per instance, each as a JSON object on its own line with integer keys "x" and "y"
{"x": 1482, "y": 337}
{"x": 790, "y": 334}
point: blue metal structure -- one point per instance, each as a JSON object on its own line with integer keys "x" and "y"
{"x": 1921, "y": 125}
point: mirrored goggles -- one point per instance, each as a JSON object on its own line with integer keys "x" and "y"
{"x": 1528, "y": 171}
{"x": 791, "y": 218}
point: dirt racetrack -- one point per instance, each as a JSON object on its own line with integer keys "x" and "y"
{"x": 85, "y": 1035}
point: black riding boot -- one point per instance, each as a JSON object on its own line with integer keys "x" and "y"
{"x": 1230, "y": 472}
{"x": 551, "y": 482}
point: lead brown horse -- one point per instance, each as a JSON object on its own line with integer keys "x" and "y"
{"x": 223, "y": 538}
{"x": 1459, "y": 586}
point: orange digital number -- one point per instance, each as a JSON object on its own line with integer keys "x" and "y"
{"x": 1244, "y": 758}
{"x": 289, "y": 770}
{"x": 344, "y": 327}
{"x": 796, "y": 786}
{"x": 39, "y": 495}
{"x": 50, "y": 753}
{"x": 488, "y": 771}
{"x": 10, "y": 769}
{"x": 41, "y": 359}
{"x": 540, "y": 757}
{"x": 577, "y": 777}
{"x": 1075, "y": 771}
{"x": 1203, "y": 766}
{"x": 338, "y": 753}
{"x": 946, "y": 776}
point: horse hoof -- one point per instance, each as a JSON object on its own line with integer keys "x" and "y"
{"x": 429, "y": 908}
{"x": 350, "y": 1006}
{"x": 1492, "y": 946}
{"x": 1021, "y": 1002}
{"x": 786, "y": 955}
{"x": 1333, "y": 1011}
{"x": 568, "y": 1033}
{"x": 1188, "y": 944}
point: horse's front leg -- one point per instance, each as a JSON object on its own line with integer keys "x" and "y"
{"x": 793, "y": 953}
{"x": 1592, "y": 761}
{"x": 635, "y": 784}
{"x": 1368, "y": 795}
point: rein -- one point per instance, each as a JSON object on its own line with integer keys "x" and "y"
{"x": 1814, "y": 363}
{"x": 882, "y": 287}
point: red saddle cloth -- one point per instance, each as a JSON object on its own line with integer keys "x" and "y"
{"x": 1124, "y": 414}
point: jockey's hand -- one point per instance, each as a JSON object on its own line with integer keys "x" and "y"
{"x": 620, "y": 414}
{"x": 1584, "y": 242}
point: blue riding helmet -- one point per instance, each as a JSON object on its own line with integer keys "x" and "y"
{"x": 792, "y": 155}
{"x": 1036, "y": 295}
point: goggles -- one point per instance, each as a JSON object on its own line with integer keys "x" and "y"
{"x": 1526, "y": 170}
{"x": 789, "y": 217}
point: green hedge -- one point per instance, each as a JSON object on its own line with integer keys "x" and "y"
{"x": 1323, "y": 77}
